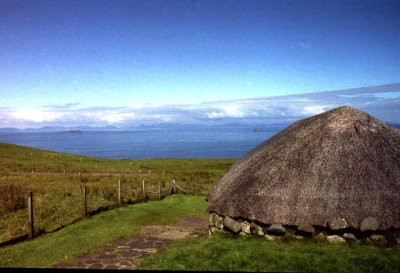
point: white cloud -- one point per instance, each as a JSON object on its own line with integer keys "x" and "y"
{"x": 314, "y": 109}
{"x": 36, "y": 115}
{"x": 228, "y": 111}
{"x": 276, "y": 109}
{"x": 110, "y": 117}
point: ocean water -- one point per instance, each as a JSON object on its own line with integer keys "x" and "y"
{"x": 196, "y": 142}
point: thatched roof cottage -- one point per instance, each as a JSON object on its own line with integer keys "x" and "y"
{"x": 341, "y": 164}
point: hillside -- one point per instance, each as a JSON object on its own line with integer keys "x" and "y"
{"x": 57, "y": 179}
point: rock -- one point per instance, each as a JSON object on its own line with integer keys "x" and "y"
{"x": 243, "y": 234}
{"x": 232, "y": 225}
{"x": 245, "y": 227}
{"x": 368, "y": 241}
{"x": 397, "y": 241}
{"x": 305, "y": 228}
{"x": 369, "y": 223}
{"x": 213, "y": 231}
{"x": 276, "y": 229}
{"x": 334, "y": 239}
{"x": 336, "y": 224}
{"x": 290, "y": 230}
{"x": 320, "y": 236}
{"x": 219, "y": 223}
{"x": 294, "y": 237}
{"x": 298, "y": 237}
{"x": 377, "y": 238}
{"x": 349, "y": 237}
{"x": 212, "y": 217}
{"x": 272, "y": 238}
{"x": 255, "y": 229}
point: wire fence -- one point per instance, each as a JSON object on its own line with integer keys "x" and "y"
{"x": 26, "y": 214}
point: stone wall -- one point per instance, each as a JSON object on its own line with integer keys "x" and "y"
{"x": 336, "y": 230}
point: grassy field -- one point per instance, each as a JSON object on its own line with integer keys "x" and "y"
{"x": 57, "y": 179}
{"x": 235, "y": 253}
{"x": 98, "y": 231}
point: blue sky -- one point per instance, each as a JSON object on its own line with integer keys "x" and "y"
{"x": 77, "y": 55}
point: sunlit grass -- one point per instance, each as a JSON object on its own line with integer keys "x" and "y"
{"x": 229, "y": 253}
{"x": 98, "y": 231}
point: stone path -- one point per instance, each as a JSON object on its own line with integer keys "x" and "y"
{"x": 126, "y": 253}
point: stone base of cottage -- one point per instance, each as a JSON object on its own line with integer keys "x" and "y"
{"x": 336, "y": 230}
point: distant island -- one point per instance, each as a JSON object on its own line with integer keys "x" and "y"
{"x": 72, "y": 131}
{"x": 257, "y": 130}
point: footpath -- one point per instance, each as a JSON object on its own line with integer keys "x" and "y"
{"x": 127, "y": 253}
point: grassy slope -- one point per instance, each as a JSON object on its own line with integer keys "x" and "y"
{"x": 226, "y": 253}
{"x": 98, "y": 231}
{"x": 27, "y": 159}
{"x": 58, "y": 198}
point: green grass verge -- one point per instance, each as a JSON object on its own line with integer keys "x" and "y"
{"x": 227, "y": 253}
{"x": 98, "y": 231}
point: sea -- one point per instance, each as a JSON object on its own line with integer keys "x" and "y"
{"x": 186, "y": 142}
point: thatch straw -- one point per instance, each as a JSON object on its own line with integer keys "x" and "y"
{"x": 342, "y": 163}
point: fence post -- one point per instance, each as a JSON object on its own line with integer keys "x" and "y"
{"x": 84, "y": 203}
{"x": 79, "y": 174}
{"x": 64, "y": 172}
{"x": 159, "y": 190}
{"x": 144, "y": 190}
{"x": 30, "y": 215}
{"x": 173, "y": 186}
{"x": 119, "y": 191}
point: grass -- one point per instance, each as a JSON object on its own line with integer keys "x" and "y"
{"x": 219, "y": 253}
{"x": 15, "y": 158}
{"x": 228, "y": 253}
{"x": 98, "y": 231}
{"x": 58, "y": 196}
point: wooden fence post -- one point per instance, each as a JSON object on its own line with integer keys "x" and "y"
{"x": 119, "y": 192}
{"x": 173, "y": 186}
{"x": 144, "y": 190}
{"x": 84, "y": 203}
{"x": 159, "y": 190}
{"x": 30, "y": 215}
{"x": 64, "y": 172}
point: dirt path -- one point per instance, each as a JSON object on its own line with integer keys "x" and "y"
{"x": 126, "y": 253}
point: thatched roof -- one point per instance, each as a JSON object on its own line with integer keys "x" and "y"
{"x": 342, "y": 163}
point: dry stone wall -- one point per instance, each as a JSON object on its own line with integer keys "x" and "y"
{"x": 336, "y": 230}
